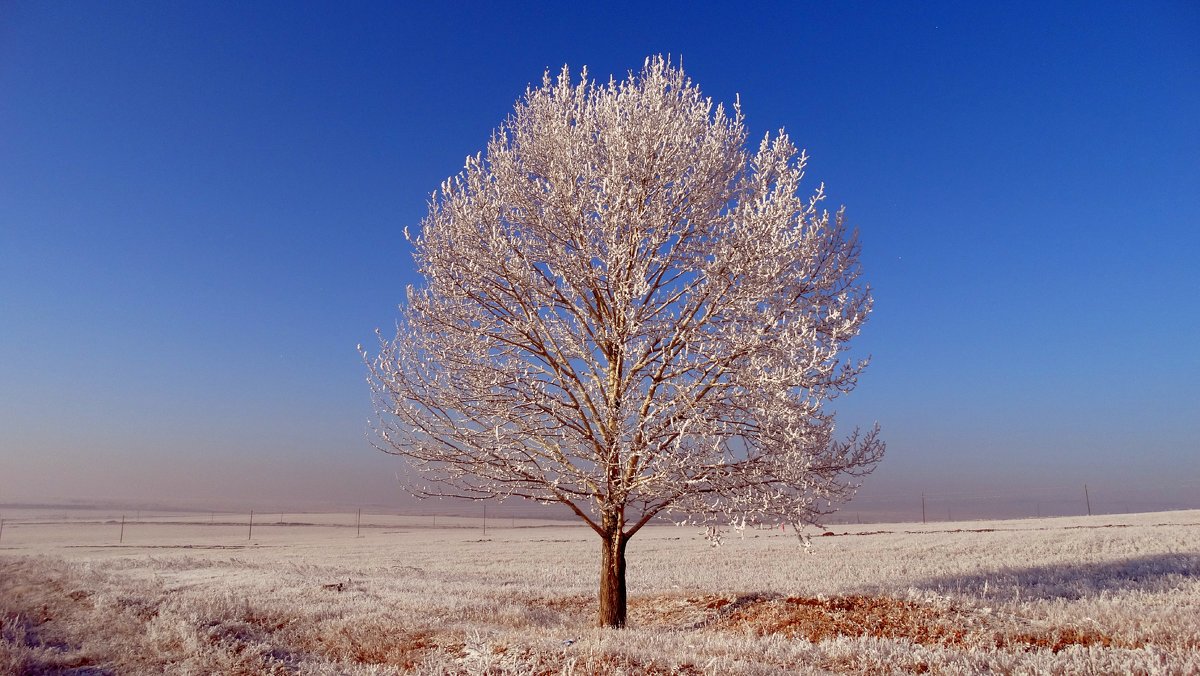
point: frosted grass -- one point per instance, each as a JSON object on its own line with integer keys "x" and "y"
{"x": 1100, "y": 594}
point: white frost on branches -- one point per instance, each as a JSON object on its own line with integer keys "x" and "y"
{"x": 629, "y": 312}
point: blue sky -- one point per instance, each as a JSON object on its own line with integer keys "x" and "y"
{"x": 201, "y": 208}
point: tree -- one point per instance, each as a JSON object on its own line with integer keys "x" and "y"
{"x": 627, "y": 312}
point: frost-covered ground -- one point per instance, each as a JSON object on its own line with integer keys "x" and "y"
{"x": 191, "y": 594}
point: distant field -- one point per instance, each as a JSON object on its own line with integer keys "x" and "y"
{"x": 200, "y": 593}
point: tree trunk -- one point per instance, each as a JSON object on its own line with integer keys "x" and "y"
{"x": 612, "y": 579}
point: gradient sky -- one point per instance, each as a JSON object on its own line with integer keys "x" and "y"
{"x": 201, "y": 208}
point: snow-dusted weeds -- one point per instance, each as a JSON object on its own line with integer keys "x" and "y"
{"x": 1104, "y": 594}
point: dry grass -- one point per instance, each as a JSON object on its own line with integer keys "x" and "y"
{"x": 817, "y": 619}
{"x": 1127, "y": 603}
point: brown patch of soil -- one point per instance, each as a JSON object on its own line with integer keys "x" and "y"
{"x": 877, "y": 616}
{"x": 820, "y": 619}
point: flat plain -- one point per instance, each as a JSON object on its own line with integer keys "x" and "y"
{"x": 192, "y": 593}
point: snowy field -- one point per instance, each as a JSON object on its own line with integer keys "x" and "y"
{"x": 315, "y": 594}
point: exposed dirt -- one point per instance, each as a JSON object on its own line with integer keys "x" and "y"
{"x": 820, "y": 619}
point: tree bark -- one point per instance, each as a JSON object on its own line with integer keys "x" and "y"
{"x": 612, "y": 579}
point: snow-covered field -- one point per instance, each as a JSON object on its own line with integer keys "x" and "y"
{"x": 191, "y": 594}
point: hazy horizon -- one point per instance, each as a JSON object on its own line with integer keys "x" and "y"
{"x": 201, "y": 209}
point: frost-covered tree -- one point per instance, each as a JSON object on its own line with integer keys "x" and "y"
{"x": 629, "y": 312}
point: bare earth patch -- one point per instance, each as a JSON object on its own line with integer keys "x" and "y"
{"x": 819, "y": 619}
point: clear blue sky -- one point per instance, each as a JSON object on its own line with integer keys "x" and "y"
{"x": 201, "y": 208}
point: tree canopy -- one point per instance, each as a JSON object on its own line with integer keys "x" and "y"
{"x": 629, "y": 311}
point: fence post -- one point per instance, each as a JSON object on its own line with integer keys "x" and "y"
{"x": 122, "y": 538}
{"x": 251, "y": 533}
{"x": 923, "y": 508}
{"x": 1087, "y": 499}
{"x": 1, "y": 529}
{"x": 358, "y": 524}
